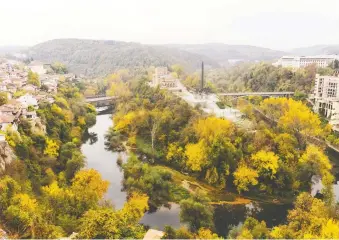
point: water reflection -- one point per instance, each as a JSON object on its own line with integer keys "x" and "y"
{"x": 317, "y": 186}
{"x": 232, "y": 215}
{"x": 162, "y": 217}
{"x": 105, "y": 161}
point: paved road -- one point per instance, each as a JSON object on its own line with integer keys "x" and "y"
{"x": 208, "y": 103}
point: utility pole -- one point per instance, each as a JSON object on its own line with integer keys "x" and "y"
{"x": 202, "y": 76}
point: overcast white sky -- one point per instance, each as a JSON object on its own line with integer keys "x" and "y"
{"x": 275, "y": 24}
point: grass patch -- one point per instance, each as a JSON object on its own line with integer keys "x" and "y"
{"x": 221, "y": 105}
{"x": 146, "y": 148}
{"x": 179, "y": 193}
{"x": 213, "y": 193}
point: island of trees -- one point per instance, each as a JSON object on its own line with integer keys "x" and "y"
{"x": 177, "y": 154}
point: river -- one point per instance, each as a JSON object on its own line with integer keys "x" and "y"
{"x": 105, "y": 162}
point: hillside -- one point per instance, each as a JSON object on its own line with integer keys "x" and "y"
{"x": 222, "y": 53}
{"x": 316, "y": 50}
{"x": 99, "y": 57}
{"x": 11, "y": 51}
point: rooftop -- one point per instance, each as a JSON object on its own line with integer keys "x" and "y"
{"x": 6, "y": 118}
{"x": 312, "y": 57}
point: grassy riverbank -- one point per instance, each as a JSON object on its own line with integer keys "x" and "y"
{"x": 217, "y": 196}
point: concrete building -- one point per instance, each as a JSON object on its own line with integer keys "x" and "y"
{"x": 164, "y": 79}
{"x": 37, "y": 67}
{"x": 31, "y": 115}
{"x": 7, "y": 119}
{"x": 28, "y": 100}
{"x": 326, "y": 96}
{"x": 304, "y": 61}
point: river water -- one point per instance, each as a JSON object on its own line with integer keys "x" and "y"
{"x": 105, "y": 162}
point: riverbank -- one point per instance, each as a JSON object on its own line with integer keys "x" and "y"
{"x": 229, "y": 208}
{"x": 218, "y": 196}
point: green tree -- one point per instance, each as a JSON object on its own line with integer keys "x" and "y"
{"x": 110, "y": 224}
{"x": 33, "y": 78}
{"x": 3, "y": 98}
{"x": 59, "y": 68}
{"x": 196, "y": 212}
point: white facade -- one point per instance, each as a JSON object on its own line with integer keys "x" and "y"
{"x": 160, "y": 72}
{"x": 304, "y": 61}
{"x": 326, "y": 96}
{"x": 28, "y": 100}
{"x": 163, "y": 78}
{"x": 37, "y": 67}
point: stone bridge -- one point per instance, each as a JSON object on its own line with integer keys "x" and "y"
{"x": 263, "y": 94}
{"x": 101, "y": 100}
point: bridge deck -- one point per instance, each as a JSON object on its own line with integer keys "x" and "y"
{"x": 97, "y": 99}
{"x": 257, "y": 94}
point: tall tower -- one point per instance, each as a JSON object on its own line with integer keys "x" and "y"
{"x": 202, "y": 77}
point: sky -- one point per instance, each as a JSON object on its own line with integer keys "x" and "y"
{"x": 282, "y": 24}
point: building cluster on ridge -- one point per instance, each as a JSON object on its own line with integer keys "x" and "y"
{"x": 326, "y": 98}
{"x": 164, "y": 79}
{"x": 14, "y": 80}
{"x": 326, "y": 94}
{"x": 321, "y": 61}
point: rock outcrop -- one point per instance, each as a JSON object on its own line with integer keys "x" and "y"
{"x": 6, "y": 155}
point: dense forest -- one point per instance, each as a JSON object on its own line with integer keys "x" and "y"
{"x": 99, "y": 58}
{"x": 255, "y": 77}
{"x": 169, "y": 142}
{"x": 46, "y": 192}
{"x": 275, "y": 160}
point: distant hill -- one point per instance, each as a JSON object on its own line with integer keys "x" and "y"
{"x": 316, "y": 50}
{"x": 11, "y": 50}
{"x": 223, "y": 53}
{"x": 99, "y": 57}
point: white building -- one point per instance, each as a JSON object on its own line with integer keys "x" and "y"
{"x": 304, "y": 61}
{"x": 28, "y": 100}
{"x": 164, "y": 79}
{"x": 6, "y": 120}
{"x": 326, "y": 96}
{"x": 37, "y": 67}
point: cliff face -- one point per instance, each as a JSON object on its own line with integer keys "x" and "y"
{"x": 6, "y": 155}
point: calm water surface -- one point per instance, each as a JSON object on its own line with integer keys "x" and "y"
{"x": 105, "y": 162}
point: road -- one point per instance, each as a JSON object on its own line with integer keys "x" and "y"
{"x": 208, "y": 104}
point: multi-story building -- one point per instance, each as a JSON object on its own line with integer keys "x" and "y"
{"x": 304, "y": 61}
{"x": 163, "y": 78}
{"x": 326, "y": 95}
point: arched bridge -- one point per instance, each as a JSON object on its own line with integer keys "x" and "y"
{"x": 263, "y": 94}
{"x": 101, "y": 100}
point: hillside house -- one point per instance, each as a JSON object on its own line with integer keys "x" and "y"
{"x": 164, "y": 79}
{"x": 30, "y": 88}
{"x": 6, "y": 120}
{"x": 28, "y": 100}
{"x": 37, "y": 67}
{"x": 31, "y": 115}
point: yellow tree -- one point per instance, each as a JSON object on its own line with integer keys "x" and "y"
{"x": 108, "y": 223}
{"x": 310, "y": 218}
{"x": 205, "y": 233}
{"x": 287, "y": 145}
{"x": 33, "y": 78}
{"x": 52, "y": 148}
{"x": 178, "y": 69}
{"x": 265, "y": 162}
{"x": 22, "y": 213}
{"x": 196, "y": 155}
{"x": 245, "y": 176}
{"x": 212, "y": 128}
{"x": 300, "y": 119}
{"x": 89, "y": 184}
{"x": 320, "y": 165}
{"x": 119, "y": 89}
